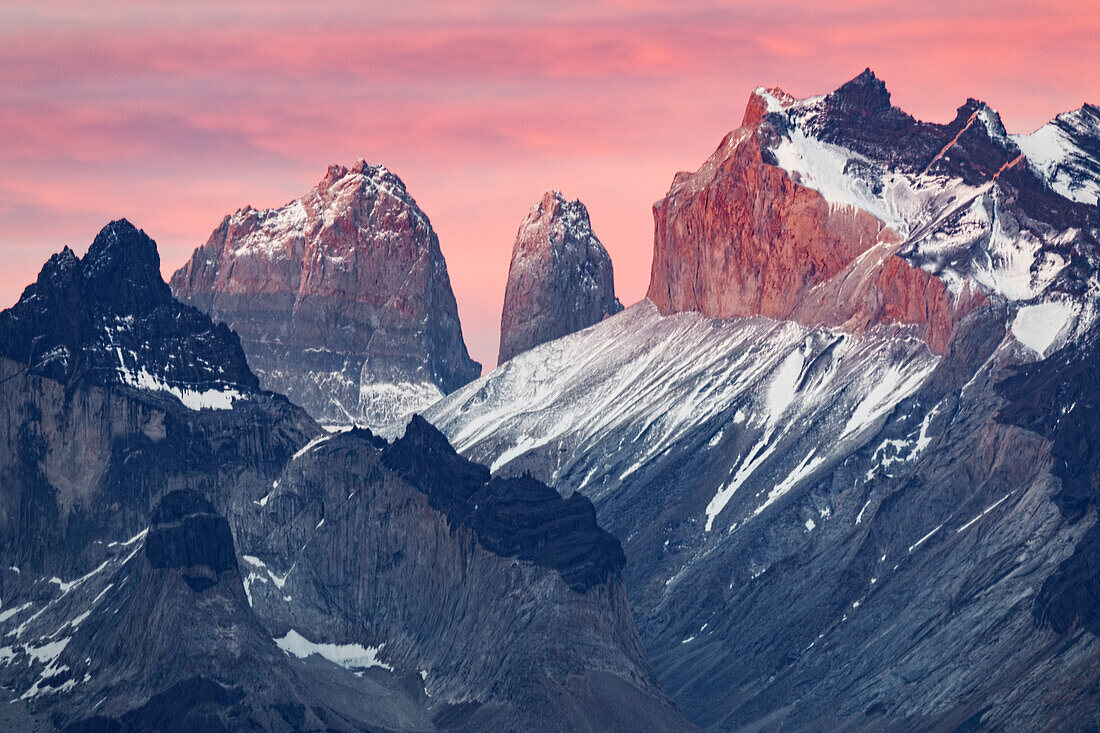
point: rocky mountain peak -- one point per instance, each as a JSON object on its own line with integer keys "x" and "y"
{"x": 560, "y": 279}
{"x": 110, "y": 318}
{"x": 947, "y": 208}
{"x": 1065, "y": 153}
{"x": 341, "y": 298}
{"x": 366, "y": 178}
{"x": 865, "y": 95}
{"x": 124, "y": 260}
{"x": 763, "y": 100}
{"x": 513, "y": 517}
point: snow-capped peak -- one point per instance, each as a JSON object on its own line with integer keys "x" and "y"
{"x": 1065, "y": 152}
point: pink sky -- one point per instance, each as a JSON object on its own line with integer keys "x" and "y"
{"x": 173, "y": 117}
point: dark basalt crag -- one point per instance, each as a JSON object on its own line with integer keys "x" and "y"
{"x": 514, "y": 517}
{"x": 504, "y": 597}
{"x": 110, "y": 312}
{"x": 187, "y": 534}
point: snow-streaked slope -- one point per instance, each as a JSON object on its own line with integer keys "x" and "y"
{"x": 956, "y": 217}
{"x": 771, "y": 402}
{"x": 902, "y": 201}
{"x": 387, "y": 406}
{"x": 1066, "y": 153}
{"x": 804, "y": 513}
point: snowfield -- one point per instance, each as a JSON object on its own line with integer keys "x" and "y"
{"x": 775, "y": 401}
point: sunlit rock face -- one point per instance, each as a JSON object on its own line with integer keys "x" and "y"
{"x": 341, "y": 299}
{"x": 560, "y": 279}
{"x": 842, "y": 210}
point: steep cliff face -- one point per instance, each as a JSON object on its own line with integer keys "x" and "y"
{"x": 871, "y": 506}
{"x": 341, "y": 299}
{"x": 842, "y": 210}
{"x": 160, "y": 636}
{"x": 386, "y": 586}
{"x": 498, "y": 596}
{"x": 560, "y": 279}
{"x": 114, "y": 393}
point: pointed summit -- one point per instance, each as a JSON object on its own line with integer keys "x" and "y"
{"x": 110, "y": 318}
{"x": 1065, "y": 153}
{"x": 866, "y": 93}
{"x": 123, "y": 264}
{"x": 560, "y": 279}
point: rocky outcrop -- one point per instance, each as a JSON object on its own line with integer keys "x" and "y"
{"x": 458, "y": 569}
{"x": 560, "y": 279}
{"x": 109, "y": 318}
{"x": 843, "y": 210}
{"x": 341, "y": 299}
{"x": 112, "y": 393}
{"x": 741, "y": 237}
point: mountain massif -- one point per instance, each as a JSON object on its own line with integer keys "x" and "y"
{"x": 182, "y": 550}
{"x": 341, "y": 299}
{"x": 845, "y": 440}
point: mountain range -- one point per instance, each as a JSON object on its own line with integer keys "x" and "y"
{"x": 835, "y": 472}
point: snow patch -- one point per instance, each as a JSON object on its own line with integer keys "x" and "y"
{"x": 1039, "y": 326}
{"x": 192, "y": 399}
{"x": 985, "y": 511}
{"x": 350, "y": 656}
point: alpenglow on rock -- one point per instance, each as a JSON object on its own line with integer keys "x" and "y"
{"x": 560, "y": 279}
{"x": 341, "y": 299}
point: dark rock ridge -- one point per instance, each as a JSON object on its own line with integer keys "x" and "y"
{"x": 105, "y": 317}
{"x": 505, "y": 599}
{"x": 386, "y": 587}
{"x": 560, "y": 279}
{"x": 187, "y": 534}
{"x": 341, "y": 298}
{"x": 517, "y": 517}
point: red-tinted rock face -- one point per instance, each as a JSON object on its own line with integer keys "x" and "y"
{"x": 741, "y": 237}
{"x": 341, "y": 298}
{"x": 560, "y": 279}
